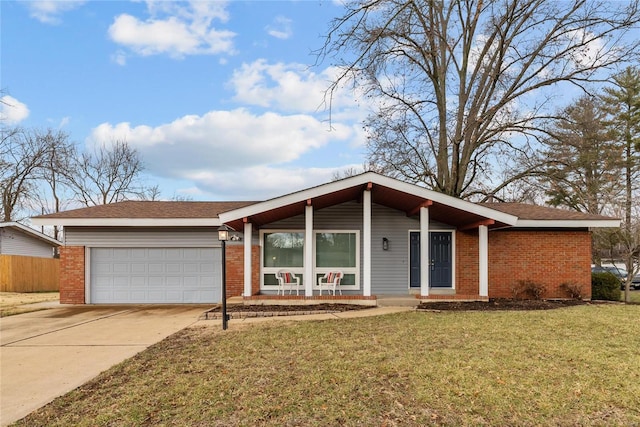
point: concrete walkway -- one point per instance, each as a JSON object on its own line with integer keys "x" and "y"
{"x": 350, "y": 314}
{"x": 46, "y": 354}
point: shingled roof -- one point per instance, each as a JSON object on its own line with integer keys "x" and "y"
{"x": 146, "y": 209}
{"x": 542, "y": 213}
{"x": 385, "y": 191}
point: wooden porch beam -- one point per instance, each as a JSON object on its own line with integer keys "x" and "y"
{"x": 477, "y": 224}
{"x": 415, "y": 210}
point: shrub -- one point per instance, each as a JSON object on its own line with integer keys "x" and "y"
{"x": 528, "y": 288}
{"x": 574, "y": 290}
{"x": 605, "y": 286}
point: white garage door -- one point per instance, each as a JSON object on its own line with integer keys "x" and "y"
{"x": 155, "y": 275}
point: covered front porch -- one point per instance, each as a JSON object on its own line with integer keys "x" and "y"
{"x": 388, "y": 237}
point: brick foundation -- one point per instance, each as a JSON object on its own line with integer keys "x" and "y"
{"x": 330, "y": 297}
{"x": 72, "y": 274}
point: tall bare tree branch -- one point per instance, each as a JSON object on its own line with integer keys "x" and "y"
{"x": 456, "y": 80}
{"x": 108, "y": 174}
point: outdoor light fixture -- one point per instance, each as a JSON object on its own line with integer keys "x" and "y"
{"x": 223, "y": 233}
{"x": 385, "y": 244}
{"x": 223, "y": 236}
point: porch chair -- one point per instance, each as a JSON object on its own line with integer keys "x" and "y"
{"x": 332, "y": 281}
{"x": 286, "y": 277}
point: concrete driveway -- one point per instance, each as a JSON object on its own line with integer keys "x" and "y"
{"x": 46, "y": 354}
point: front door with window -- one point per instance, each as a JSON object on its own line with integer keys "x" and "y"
{"x": 440, "y": 264}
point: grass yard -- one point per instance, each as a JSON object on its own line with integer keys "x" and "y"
{"x": 565, "y": 367}
{"x": 13, "y": 302}
{"x": 635, "y": 296}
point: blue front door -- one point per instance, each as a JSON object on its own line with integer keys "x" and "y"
{"x": 441, "y": 262}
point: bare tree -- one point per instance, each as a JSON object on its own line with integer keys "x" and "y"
{"x": 455, "y": 81}
{"x": 56, "y": 172}
{"x": 23, "y": 154}
{"x": 181, "y": 198}
{"x": 151, "y": 193}
{"x": 352, "y": 171}
{"x": 109, "y": 174}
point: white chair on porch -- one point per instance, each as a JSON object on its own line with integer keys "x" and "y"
{"x": 332, "y": 281}
{"x": 287, "y": 279}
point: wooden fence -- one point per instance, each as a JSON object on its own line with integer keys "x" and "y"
{"x": 29, "y": 274}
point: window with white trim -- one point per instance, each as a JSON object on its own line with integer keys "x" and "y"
{"x": 338, "y": 250}
{"x": 333, "y": 250}
{"x": 281, "y": 250}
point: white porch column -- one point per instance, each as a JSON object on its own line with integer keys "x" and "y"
{"x": 308, "y": 251}
{"x": 248, "y": 231}
{"x": 366, "y": 237}
{"x": 483, "y": 253}
{"x": 425, "y": 256}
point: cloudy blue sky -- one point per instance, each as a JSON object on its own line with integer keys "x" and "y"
{"x": 221, "y": 99}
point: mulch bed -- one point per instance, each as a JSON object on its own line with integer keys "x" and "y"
{"x": 261, "y": 310}
{"x": 500, "y": 304}
{"x": 269, "y": 307}
{"x": 264, "y": 310}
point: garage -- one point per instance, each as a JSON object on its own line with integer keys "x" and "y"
{"x": 155, "y": 275}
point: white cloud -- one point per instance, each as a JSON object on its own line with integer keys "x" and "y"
{"x": 589, "y": 49}
{"x": 175, "y": 29}
{"x": 280, "y": 28}
{"x": 12, "y": 111}
{"x": 120, "y": 57}
{"x": 262, "y": 182}
{"x": 64, "y": 122}
{"x": 49, "y": 11}
{"x": 221, "y": 142}
{"x": 293, "y": 88}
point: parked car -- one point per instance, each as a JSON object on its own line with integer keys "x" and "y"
{"x": 635, "y": 282}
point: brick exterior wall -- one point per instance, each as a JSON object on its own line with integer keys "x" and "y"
{"x": 549, "y": 258}
{"x": 72, "y": 273}
{"x": 235, "y": 270}
{"x": 467, "y": 263}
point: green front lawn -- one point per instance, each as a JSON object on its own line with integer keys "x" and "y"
{"x": 567, "y": 367}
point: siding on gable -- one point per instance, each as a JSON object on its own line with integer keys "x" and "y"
{"x": 106, "y": 237}
{"x": 346, "y": 216}
{"x": 15, "y": 242}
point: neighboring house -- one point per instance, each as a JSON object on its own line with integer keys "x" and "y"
{"x": 388, "y": 238}
{"x": 27, "y": 261}
{"x": 18, "y": 239}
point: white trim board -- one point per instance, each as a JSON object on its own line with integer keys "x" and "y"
{"x": 363, "y": 179}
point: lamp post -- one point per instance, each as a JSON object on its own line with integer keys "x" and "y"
{"x": 223, "y": 236}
